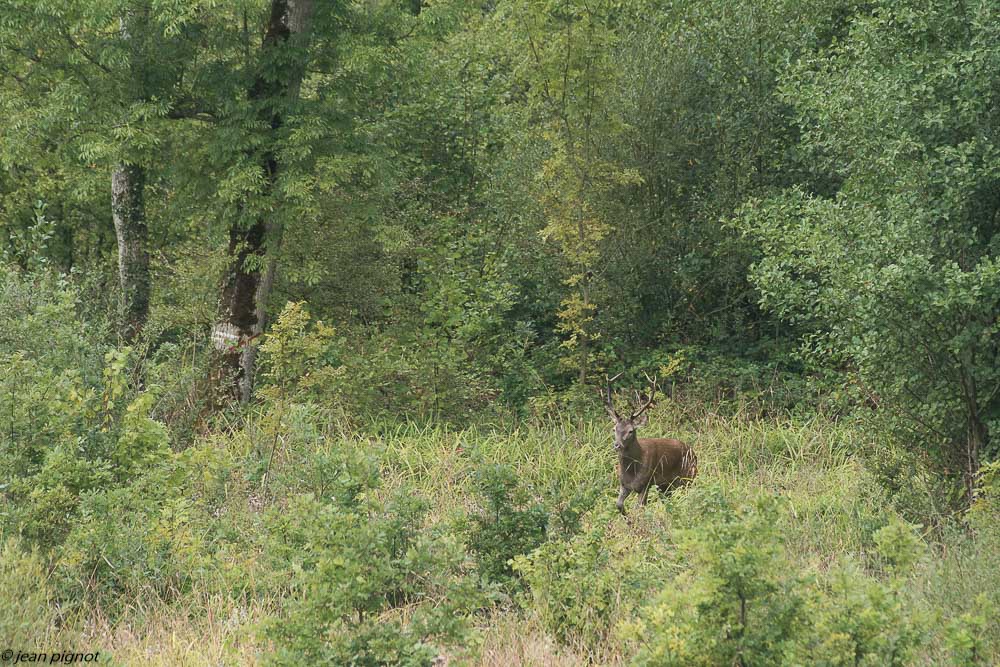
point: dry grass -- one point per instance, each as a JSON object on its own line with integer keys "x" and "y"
{"x": 516, "y": 642}
{"x": 198, "y": 632}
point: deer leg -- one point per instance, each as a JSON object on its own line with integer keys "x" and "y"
{"x": 642, "y": 495}
{"x": 622, "y": 495}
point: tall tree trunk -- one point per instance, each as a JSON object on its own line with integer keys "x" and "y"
{"x": 128, "y": 211}
{"x": 128, "y": 208}
{"x": 247, "y": 284}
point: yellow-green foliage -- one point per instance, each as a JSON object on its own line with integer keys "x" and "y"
{"x": 293, "y": 350}
{"x": 967, "y": 635}
{"x": 581, "y": 587}
{"x": 143, "y": 441}
{"x": 740, "y": 597}
{"x": 367, "y": 584}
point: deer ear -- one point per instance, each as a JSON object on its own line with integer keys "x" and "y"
{"x": 641, "y": 420}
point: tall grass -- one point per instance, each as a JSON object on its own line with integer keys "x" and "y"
{"x": 821, "y": 467}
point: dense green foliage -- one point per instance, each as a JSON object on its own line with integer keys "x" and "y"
{"x": 896, "y": 272}
{"x": 303, "y": 305}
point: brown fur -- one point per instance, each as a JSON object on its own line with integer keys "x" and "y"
{"x": 644, "y": 462}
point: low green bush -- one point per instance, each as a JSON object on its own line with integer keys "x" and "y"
{"x": 581, "y": 587}
{"x": 958, "y": 586}
{"x": 732, "y": 602}
{"x": 505, "y": 526}
{"x": 856, "y": 619}
{"x": 739, "y": 598}
{"x": 365, "y": 580}
{"x": 75, "y": 423}
{"x": 368, "y": 584}
{"x": 158, "y": 536}
{"x": 177, "y": 525}
{"x": 411, "y": 370}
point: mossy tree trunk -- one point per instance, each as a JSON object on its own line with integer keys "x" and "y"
{"x": 128, "y": 211}
{"x": 252, "y": 248}
{"x": 128, "y": 207}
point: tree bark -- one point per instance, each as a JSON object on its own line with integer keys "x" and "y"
{"x": 128, "y": 208}
{"x": 128, "y": 211}
{"x": 247, "y": 285}
{"x": 977, "y": 438}
{"x": 976, "y": 434}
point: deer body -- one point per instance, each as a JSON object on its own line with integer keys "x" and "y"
{"x": 645, "y": 462}
{"x": 662, "y": 462}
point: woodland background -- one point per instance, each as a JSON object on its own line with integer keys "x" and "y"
{"x": 304, "y": 305}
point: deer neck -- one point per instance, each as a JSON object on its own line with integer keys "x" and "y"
{"x": 631, "y": 453}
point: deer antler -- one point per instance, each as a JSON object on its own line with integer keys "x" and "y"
{"x": 606, "y": 395}
{"x": 649, "y": 400}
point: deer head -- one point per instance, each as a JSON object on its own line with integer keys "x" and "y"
{"x": 625, "y": 426}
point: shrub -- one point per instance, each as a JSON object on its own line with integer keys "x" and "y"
{"x": 958, "y": 589}
{"x": 410, "y": 370}
{"x": 581, "y": 586}
{"x": 733, "y": 603}
{"x": 47, "y": 496}
{"x": 74, "y": 424}
{"x": 368, "y": 583}
{"x": 740, "y": 599}
{"x": 140, "y": 540}
{"x": 966, "y": 636}
{"x": 333, "y": 470}
{"x": 506, "y": 525}
{"x": 858, "y": 620}
{"x": 154, "y": 536}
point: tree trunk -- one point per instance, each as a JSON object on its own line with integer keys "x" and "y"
{"x": 247, "y": 284}
{"x": 128, "y": 208}
{"x": 976, "y": 433}
{"x": 976, "y": 441}
{"x": 128, "y": 212}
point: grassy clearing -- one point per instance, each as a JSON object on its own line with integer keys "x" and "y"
{"x": 833, "y": 507}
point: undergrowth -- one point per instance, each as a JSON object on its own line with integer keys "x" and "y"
{"x": 403, "y": 543}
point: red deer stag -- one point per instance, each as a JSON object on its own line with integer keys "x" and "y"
{"x": 643, "y": 462}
